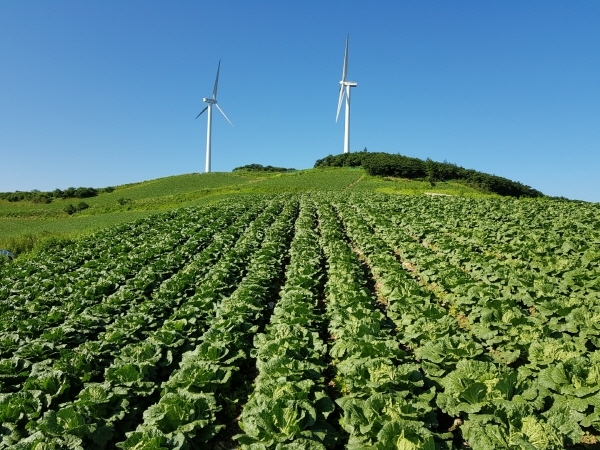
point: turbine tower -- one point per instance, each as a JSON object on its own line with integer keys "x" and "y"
{"x": 345, "y": 90}
{"x": 210, "y": 102}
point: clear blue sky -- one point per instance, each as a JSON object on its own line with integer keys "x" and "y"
{"x": 105, "y": 93}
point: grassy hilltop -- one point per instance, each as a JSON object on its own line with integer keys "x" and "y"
{"x": 25, "y": 224}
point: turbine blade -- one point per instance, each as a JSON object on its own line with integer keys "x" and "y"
{"x": 345, "y": 69}
{"x": 219, "y": 108}
{"x": 202, "y": 112}
{"x": 340, "y": 100}
{"x": 216, "y": 81}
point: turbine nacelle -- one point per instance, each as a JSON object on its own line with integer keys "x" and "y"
{"x": 349, "y": 83}
{"x": 212, "y": 101}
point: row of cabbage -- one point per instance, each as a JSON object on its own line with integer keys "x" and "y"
{"x": 55, "y": 320}
{"x": 202, "y": 396}
{"x": 290, "y": 402}
{"x": 69, "y": 301}
{"x": 551, "y": 382}
{"x": 54, "y": 273}
{"x": 433, "y": 378}
{"x": 555, "y": 243}
{"x": 113, "y": 357}
{"x": 392, "y": 329}
{"x": 496, "y": 294}
{"x": 384, "y": 400}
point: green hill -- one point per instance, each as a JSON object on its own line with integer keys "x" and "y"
{"x": 27, "y": 224}
{"x": 386, "y": 164}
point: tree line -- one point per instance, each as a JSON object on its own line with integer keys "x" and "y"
{"x": 396, "y": 165}
{"x": 261, "y": 168}
{"x": 36, "y": 196}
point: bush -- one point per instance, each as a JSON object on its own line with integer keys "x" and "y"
{"x": 16, "y": 197}
{"x": 83, "y": 192}
{"x": 42, "y": 198}
{"x": 80, "y": 192}
{"x": 261, "y": 168}
{"x": 383, "y": 164}
{"x": 36, "y": 196}
{"x": 345, "y": 160}
{"x": 57, "y": 193}
{"x": 70, "y": 209}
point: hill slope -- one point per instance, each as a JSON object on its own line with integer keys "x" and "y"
{"x": 385, "y": 164}
{"x": 24, "y": 224}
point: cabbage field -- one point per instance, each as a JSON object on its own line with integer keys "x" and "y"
{"x": 310, "y": 321}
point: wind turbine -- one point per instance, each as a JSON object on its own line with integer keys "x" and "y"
{"x": 210, "y": 102}
{"x": 345, "y": 90}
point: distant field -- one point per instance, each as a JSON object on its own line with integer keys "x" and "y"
{"x": 23, "y": 225}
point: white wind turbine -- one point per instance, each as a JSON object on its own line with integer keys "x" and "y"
{"x": 210, "y": 102}
{"x": 345, "y": 90}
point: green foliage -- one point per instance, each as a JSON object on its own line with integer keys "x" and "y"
{"x": 41, "y": 198}
{"x": 261, "y": 168}
{"x": 356, "y": 159}
{"x": 71, "y": 192}
{"x": 385, "y": 164}
{"x": 71, "y": 209}
{"x": 289, "y": 406}
{"x": 430, "y": 169}
{"x": 36, "y": 196}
